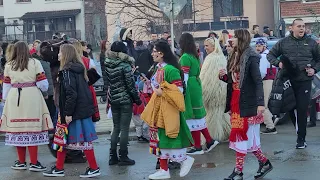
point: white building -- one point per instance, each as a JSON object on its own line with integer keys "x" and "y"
{"x": 40, "y": 19}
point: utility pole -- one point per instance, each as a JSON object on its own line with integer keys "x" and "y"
{"x": 171, "y": 24}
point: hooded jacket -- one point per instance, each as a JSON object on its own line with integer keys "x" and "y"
{"x": 75, "y": 97}
{"x": 128, "y": 42}
{"x": 120, "y": 79}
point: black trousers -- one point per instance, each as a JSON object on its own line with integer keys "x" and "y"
{"x": 299, "y": 119}
{"x": 313, "y": 111}
{"x": 51, "y": 106}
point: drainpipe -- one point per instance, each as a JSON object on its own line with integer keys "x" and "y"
{"x": 277, "y": 15}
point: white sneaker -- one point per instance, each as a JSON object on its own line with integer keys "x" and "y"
{"x": 186, "y": 165}
{"x": 160, "y": 174}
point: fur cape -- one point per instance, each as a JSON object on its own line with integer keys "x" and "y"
{"x": 214, "y": 94}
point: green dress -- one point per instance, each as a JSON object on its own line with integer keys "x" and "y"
{"x": 184, "y": 139}
{"x": 193, "y": 96}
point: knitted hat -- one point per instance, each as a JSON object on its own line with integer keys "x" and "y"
{"x": 261, "y": 42}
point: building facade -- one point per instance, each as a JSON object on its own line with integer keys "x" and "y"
{"x": 308, "y": 10}
{"x": 40, "y": 19}
{"x": 200, "y": 17}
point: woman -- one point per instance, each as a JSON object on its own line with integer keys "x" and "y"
{"x": 214, "y": 94}
{"x": 200, "y": 53}
{"x": 195, "y": 112}
{"x": 88, "y": 65}
{"x": 76, "y": 108}
{"x": 123, "y": 94}
{"x": 165, "y": 147}
{"x": 9, "y": 52}
{"x": 25, "y": 125}
{"x": 245, "y": 103}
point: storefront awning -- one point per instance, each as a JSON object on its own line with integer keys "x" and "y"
{"x": 50, "y": 14}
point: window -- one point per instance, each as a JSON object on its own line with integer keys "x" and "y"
{"x": 19, "y": 1}
{"x": 310, "y": 0}
{"x": 1, "y": 2}
{"x": 224, "y": 8}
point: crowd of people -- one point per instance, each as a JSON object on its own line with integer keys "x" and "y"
{"x": 172, "y": 97}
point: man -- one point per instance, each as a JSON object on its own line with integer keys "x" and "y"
{"x": 289, "y": 31}
{"x": 165, "y": 35}
{"x": 154, "y": 39}
{"x": 268, "y": 74}
{"x": 126, "y": 38}
{"x": 255, "y": 31}
{"x": 299, "y": 56}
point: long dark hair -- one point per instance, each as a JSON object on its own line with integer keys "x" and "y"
{"x": 168, "y": 56}
{"x": 20, "y": 56}
{"x": 188, "y": 45}
{"x": 244, "y": 40}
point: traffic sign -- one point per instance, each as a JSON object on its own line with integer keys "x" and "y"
{"x": 166, "y": 7}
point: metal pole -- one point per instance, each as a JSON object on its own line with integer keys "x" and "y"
{"x": 171, "y": 23}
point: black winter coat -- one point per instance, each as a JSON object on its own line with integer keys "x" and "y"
{"x": 144, "y": 59}
{"x": 103, "y": 70}
{"x": 251, "y": 86}
{"x": 120, "y": 79}
{"x": 299, "y": 52}
{"x": 75, "y": 97}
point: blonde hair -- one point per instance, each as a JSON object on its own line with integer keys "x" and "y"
{"x": 78, "y": 47}
{"x": 70, "y": 55}
{"x": 215, "y": 43}
{"x": 223, "y": 38}
{"x": 9, "y": 52}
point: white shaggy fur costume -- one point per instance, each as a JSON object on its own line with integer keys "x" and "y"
{"x": 214, "y": 93}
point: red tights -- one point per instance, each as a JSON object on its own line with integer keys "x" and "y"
{"x": 196, "y": 135}
{"x": 61, "y": 156}
{"x": 164, "y": 164}
{"x": 33, "y": 153}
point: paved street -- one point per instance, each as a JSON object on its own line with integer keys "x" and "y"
{"x": 289, "y": 163}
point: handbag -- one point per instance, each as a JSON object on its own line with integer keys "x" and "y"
{"x": 60, "y": 135}
{"x": 271, "y": 73}
{"x": 93, "y": 76}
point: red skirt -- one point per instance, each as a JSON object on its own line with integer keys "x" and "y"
{"x": 145, "y": 98}
{"x": 96, "y": 115}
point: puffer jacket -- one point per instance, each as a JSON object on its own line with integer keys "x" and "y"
{"x": 75, "y": 97}
{"x": 120, "y": 79}
{"x": 300, "y": 53}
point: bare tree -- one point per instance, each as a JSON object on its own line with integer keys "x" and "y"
{"x": 145, "y": 16}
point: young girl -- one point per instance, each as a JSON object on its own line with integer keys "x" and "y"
{"x": 26, "y": 118}
{"x": 76, "y": 109}
{"x": 246, "y": 104}
{"x": 169, "y": 147}
{"x": 195, "y": 112}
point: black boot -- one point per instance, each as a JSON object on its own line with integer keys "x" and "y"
{"x": 264, "y": 169}
{"x": 235, "y": 175}
{"x": 124, "y": 160}
{"x": 113, "y": 158}
{"x": 158, "y": 164}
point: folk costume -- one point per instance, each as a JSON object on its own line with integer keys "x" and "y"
{"x": 25, "y": 125}
{"x": 245, "y": 94}
{"x": 214, "y": 94}
{"x": 96, "y": 115}
{"x": 170, "y": 140}
{"x": 75, "y": 100}
{"x": 195, "y": 112}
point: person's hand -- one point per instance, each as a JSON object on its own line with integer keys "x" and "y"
{"x": 222, "y": 72}
{"x": 158, "y": 91}
{"x": 68, "y": 119}
{"x": 280, "y": 65}
{"x": 46, "y": 97}
{"x": 138, "y": 102}
{"x": 260, "y": 110}
{"x": 310, "y": 71}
